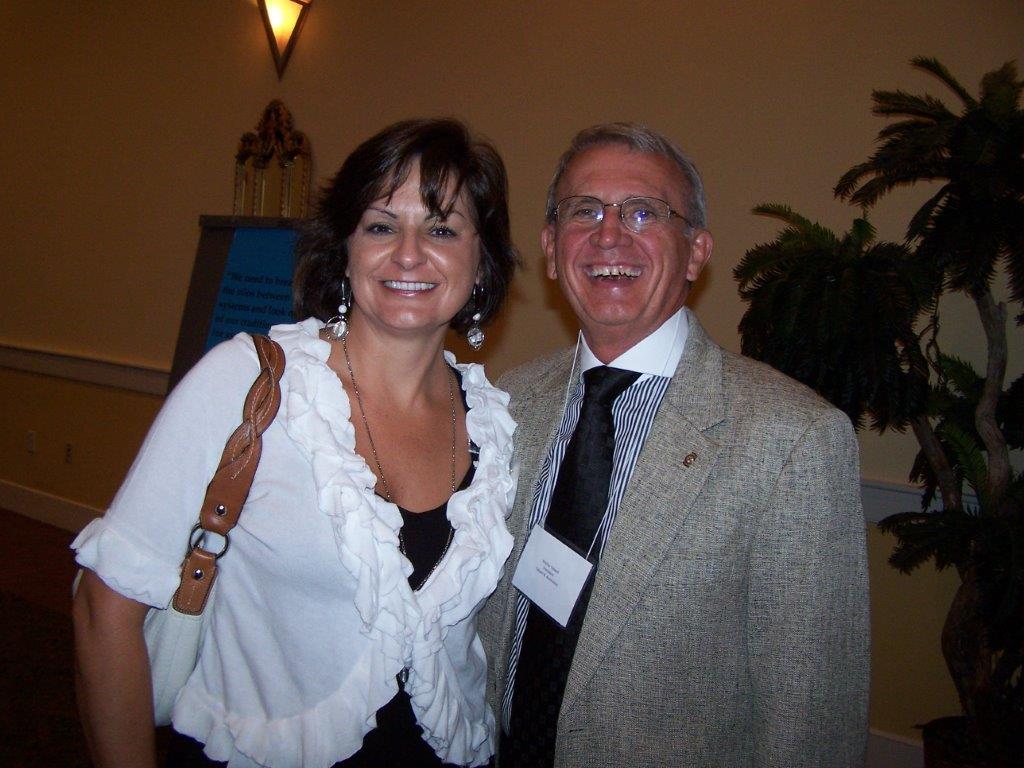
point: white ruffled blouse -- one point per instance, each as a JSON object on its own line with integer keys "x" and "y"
{"x": 312, "y": 615}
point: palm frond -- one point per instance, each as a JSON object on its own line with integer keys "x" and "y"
{"x": 924, "y": 136}
{"x": 975, "y": 222}
{"x": 1000, "y": 88}
{"x": 999, "y": 554}
{"x": 919, "y": 221}
{"x": 860, "y": 236}
{"x": 891, "y": 103}
{"x": 784, "y": 213}
{"x": 961, "y": 375}
{"x": 896, "y": 175}
{"x": 1010, "y": 415}
{"x": 849, "y": 180}
{"x": 1011, "y": 211}
{"x": 969, "y": 455}
{"x": 809, "y": 287}
{"x": 937, "y": 68}
{"x": 944, "y": 536}
{"x": 963, "y": 240}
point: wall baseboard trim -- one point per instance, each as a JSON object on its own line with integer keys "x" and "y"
{"x": 889, "y": 750}
{"x": 135, "y": 378}
{"x": 883, "y": 499}
{"x": 45, "y": 507}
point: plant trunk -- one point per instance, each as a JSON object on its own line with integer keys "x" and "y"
{"x": 993, "y": 319}
{"x": 971, "y": 662}
{"x": 963, "y": 645}
{"x": 949, "y": 488}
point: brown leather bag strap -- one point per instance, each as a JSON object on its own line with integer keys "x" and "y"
{"x": 230, "y": 484}
{"x": 229, "y": 488}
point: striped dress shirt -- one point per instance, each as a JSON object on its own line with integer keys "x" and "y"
{"x": 632, "y": 415}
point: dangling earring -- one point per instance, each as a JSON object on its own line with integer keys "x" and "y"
{"x": 337, "y": 327}
{"x": 475, "y": 334}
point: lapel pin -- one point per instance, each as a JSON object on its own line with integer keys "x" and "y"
{"x": 689, "y": 458}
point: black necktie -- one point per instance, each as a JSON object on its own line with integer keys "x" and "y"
{"x": 578, "y": 504}
{"x": 580, "y": 498}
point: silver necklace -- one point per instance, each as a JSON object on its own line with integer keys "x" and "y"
{"x": 376, "y": 458}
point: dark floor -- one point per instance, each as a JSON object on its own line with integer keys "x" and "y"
{"x": 38, "y": 721}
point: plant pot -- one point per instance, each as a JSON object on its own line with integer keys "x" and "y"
{"x": 948, "y": 744}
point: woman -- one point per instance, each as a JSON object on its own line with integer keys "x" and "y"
{"x": 343, "y": 623}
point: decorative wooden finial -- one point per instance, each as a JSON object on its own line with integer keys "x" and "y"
{"x": 264, "y": 187}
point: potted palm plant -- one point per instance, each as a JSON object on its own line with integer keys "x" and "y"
{"x": 859, "y": 321}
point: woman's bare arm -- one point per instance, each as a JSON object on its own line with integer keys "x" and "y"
{"x": 115, "y": 699}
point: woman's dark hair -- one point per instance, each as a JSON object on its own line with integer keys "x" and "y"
{"x": 451, "y": 161}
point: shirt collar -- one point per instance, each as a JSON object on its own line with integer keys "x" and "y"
{"x": 657, "y": 354}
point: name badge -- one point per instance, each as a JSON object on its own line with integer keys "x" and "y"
{"x": 551, "y": 574}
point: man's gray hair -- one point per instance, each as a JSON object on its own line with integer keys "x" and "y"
{"x": 638, "y": 138}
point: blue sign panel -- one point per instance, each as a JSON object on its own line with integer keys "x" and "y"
{"x": 256, "y": 289}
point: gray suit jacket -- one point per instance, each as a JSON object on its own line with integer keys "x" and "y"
{"x": 728, "y": 624}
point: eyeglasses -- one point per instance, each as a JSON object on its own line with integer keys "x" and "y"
{"x": 638, "y": 214}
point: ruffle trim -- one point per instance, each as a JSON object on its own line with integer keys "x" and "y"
{"x": 326, "y": 733}
{"x": 469, "y": 573}
{"x": 455, "y": 737}
{"x": 124, "y": 565}
{"x": 407, "y": 628}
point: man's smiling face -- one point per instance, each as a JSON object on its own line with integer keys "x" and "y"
{"x": 623, "y": 285}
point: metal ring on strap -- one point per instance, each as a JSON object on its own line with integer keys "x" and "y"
{"x": 194, "y": 542}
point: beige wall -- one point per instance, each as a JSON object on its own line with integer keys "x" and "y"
{"x": 103, "y": 425}
{"x": 121, "y": 120}
{"x": 909, "y": 683}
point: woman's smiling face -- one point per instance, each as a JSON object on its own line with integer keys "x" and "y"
{"x": 412, "y": 270}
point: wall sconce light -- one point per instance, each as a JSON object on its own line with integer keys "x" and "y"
{"x": 283, "y": 20}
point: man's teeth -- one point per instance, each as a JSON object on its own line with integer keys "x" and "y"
{"x": 615, "y": 271}
{"x": 401, "y": 285}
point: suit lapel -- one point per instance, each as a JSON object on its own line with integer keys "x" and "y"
{"x": 670, "y": 473}
{"x": 537, "y": 415}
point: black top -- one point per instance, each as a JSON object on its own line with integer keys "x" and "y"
{"x": 425, "y": 536}
{"x": 398, "y": 739}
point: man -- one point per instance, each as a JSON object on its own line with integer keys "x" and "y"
{"x": 714, "y": 502}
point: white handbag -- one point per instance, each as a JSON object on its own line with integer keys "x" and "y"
{"x": 172, "y": 640}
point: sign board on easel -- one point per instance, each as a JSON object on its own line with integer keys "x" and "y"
{"x": 241, "y": 281}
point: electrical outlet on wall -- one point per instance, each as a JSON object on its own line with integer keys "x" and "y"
{"x": 32, "y": 441}
{"x": 68, "y": 453}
